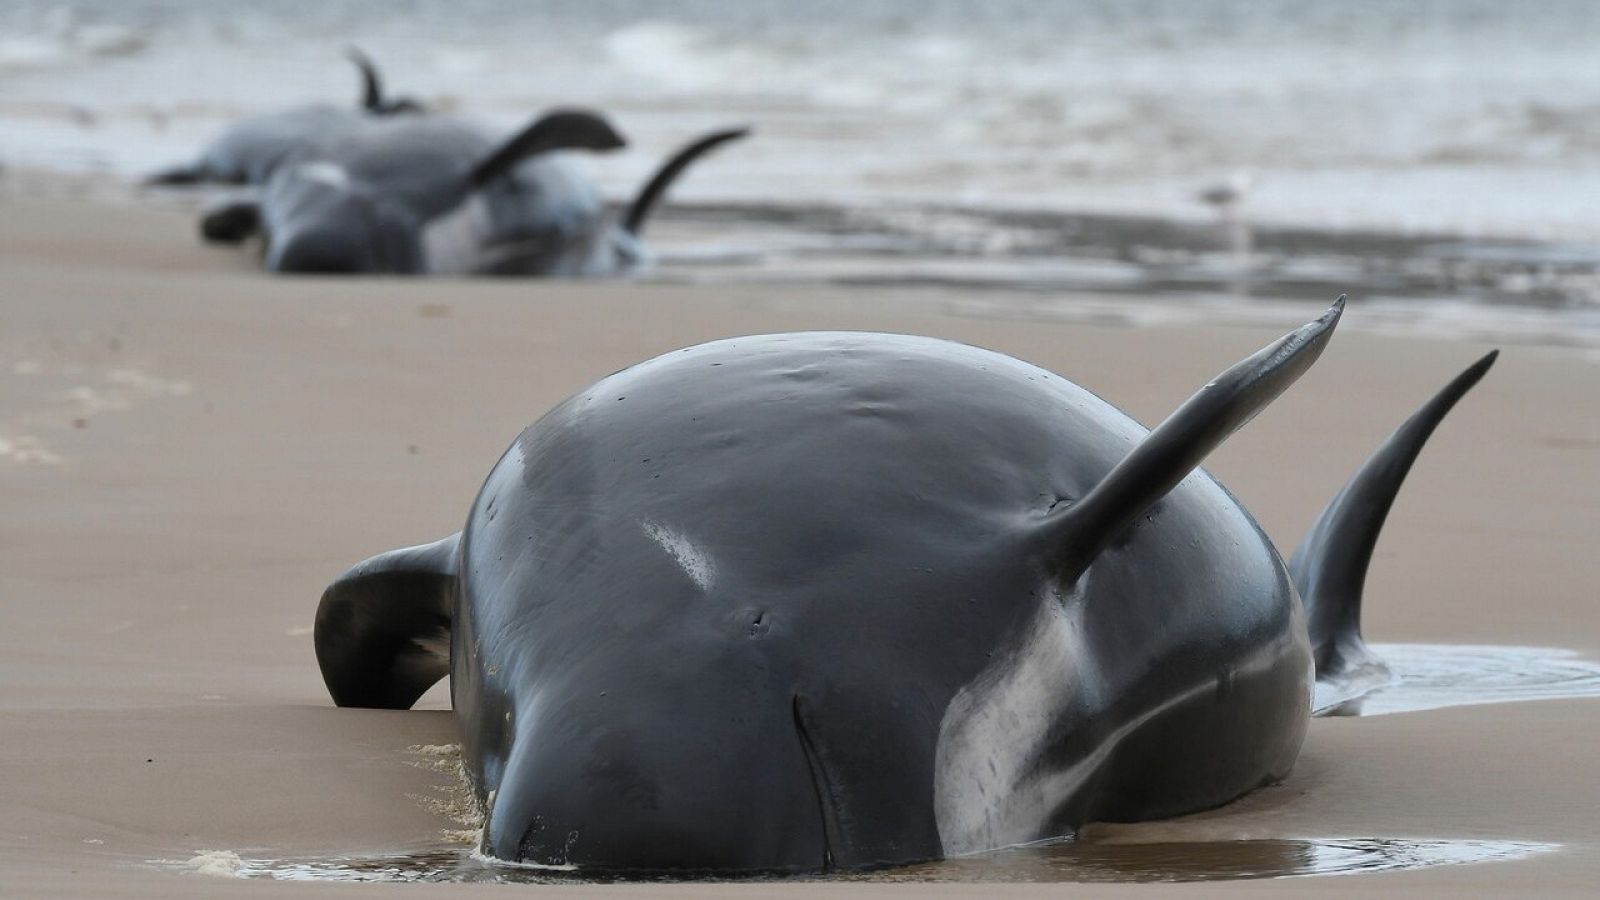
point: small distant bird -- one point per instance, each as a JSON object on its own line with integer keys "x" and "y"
{"x": 1226, "y": 198}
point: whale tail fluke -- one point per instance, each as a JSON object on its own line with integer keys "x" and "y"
{"x": 650, "y": 195}
{"x": 1079, "y": 532}
{"x": 1329, "y": 567}
{"x": 383, "y": 629}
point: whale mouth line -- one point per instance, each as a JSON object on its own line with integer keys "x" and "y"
{"x": 826, "y": 804}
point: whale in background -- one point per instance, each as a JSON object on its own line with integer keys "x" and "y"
{"x": 437, "y": 196}
{"x": 249, "y": 150}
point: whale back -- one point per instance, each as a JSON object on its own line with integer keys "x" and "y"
{"x": 836, "y": 600}
{"x": 835, "y": 535}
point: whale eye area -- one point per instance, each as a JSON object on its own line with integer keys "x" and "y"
{"x": 760, "y": 624}
{"x": 1050, "y": 502}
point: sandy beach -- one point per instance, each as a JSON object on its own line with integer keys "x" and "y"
{"x": 191, "y": 450}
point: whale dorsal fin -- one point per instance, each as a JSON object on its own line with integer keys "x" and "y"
{"x": 656, "y": 187}
{"x": 371, "y": 83}
{"x": 372, "y": 98}
{"x": 1330, "y": 565}
{"x": 1168, "y": 454}
{"x": 562, "y": 129}
{"x": 383, "y": 629}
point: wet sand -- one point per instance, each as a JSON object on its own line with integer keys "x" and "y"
{"x": 190, "y": 451}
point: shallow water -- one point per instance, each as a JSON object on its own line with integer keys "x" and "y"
{"x": 1435, "y": 161}
{"x": 1426, "y": 676}
{"x": 1471, "y": 115}
{"x": 1434, "y": 676}
{"x": 1010, "y": 263}
{"x": 1212, "y": 860}
{"x": 1069, "y": 861}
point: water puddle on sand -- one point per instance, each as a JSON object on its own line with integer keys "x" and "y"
{"x": 1067, "y": 861}
{"x": 1426, "y": 676}
{"x": 1210, "y": 860}
{"x": 1434, "y": 676}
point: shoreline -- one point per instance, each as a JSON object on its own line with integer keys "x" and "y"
{"x": 40, "y": 183}
{"x": 1018, "y": 264}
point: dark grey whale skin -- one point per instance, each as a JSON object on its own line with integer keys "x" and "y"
{"x": 248, "y": 151}
{"x": 403, "y": 173}
{"x": 788, "y": 603}
{"x": 394, "y": 175}
{"x": 433, "y": 195}
{"x": 870, "y": 504}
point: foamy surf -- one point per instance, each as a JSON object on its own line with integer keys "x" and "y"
{"x": 1468, "y": 117}
{"x": 1439, "y": 160}
{"x": 453, "y": 800}
{"x": 216, "y": 863}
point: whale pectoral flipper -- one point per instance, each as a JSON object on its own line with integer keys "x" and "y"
{"x": 1329, "y": 567}
{"x": 231, "y": 221}
{"x": 383, "y": 629}
{"x": 562, "y": 129}
{"x": 178, "y": 175}
{"x": 1167, "y": 455}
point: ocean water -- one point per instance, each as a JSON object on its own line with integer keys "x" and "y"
{"x": 974, "y": 134}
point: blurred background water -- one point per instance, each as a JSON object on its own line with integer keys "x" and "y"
{"x": 1440, "y": 156}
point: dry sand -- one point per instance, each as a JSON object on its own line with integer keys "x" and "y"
{"x": 190, "y": 451}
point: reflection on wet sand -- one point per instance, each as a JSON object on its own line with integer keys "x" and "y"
{"x": 1065, "y": 861}
{"x": 1426, "y": 676}
{"x": 1087, "y": 861}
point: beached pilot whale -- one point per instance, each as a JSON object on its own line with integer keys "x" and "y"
{"x": 247, "y": 151}
{"x": 800, "y": 602}
{"x": 436, "y": 196}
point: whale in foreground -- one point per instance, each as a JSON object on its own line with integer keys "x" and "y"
{"x": 830, "y": 601}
